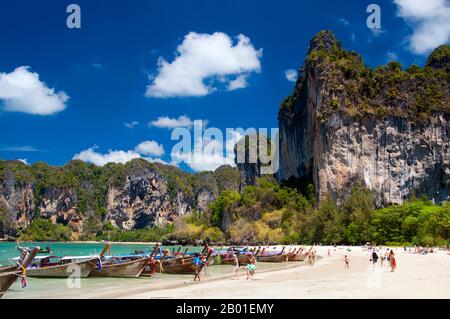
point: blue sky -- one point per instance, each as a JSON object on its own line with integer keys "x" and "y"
{"x": 100, "y": 73}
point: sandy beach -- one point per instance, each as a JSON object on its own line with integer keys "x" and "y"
{"x": 417, "y": 276}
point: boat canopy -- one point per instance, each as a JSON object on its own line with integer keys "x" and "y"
{"x": 127, "y": 256}
{"x": 79, "y": 257}
{"x": 37, "y": 257}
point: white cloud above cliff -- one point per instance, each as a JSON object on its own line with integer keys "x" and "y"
{"x": 213, "y": 154}
{"x": 22, "y": 91}
{"x": 150, "y": 148}
{"x": 112, "y": 156}
{"x": 200, "y": 60}
{"x": 430, "y": 21}
{"x": 170, "y": 123}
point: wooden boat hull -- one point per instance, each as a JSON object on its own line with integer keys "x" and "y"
{"x": 272, "y": 259}
{"x": 8, "y": 269}
{"x": 297, "y": 257}
{"x": 178, "y": 266}
{"x": 130, "y": 269}
{"x": 65, "y": 270}
{"x": 243, "y": 260}
{"x": 6, "y": 280}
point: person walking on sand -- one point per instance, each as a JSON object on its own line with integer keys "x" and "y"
{"x": 197, "y": 264}
{"x": 251, "y": 268}
{"x": 374, "y": 258}
{"x": 392, "y": 261}
{"x": 236, "y": 267}
{"x": 347, "y": 262}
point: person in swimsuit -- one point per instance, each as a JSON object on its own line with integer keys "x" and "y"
{"x": 392, "y": 261}
{"x": 374, "y": 258}
{"x": 347, "y": 262}
{"x": 251, "y": 267}
{"x": 236, "y": 266}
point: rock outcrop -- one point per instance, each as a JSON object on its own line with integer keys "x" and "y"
{"x": 136, "y": 195}
{"x": 387, "y": 128}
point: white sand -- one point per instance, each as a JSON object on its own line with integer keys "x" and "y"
{"x": 417, "y": 276}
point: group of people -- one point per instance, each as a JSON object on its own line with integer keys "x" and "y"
{"x": 388, "y": 256}
{"x": 200, "y": 263}
{"x": 250, "y": 268}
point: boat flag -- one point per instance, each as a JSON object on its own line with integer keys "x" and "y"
{"x": 99, "y": 264}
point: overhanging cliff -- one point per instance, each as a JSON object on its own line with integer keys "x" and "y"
{"x": 386, "y": 128}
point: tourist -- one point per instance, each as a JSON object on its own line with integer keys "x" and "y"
{"x": 251, "y": 267}
{"x": 374, "y": 258}
{"x": 205, "y": 264}
{"x": 236, "y": 266}
{"x": 346, "y": 262}
{"x": 156, "y": 250}
{"x": 392, "y": 261}
{"x": 197, "y": 264}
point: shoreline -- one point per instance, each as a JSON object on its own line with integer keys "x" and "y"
{"x": 87, "y": 242}
{"x": 417, "y": 276}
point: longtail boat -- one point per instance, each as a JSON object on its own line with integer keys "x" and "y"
{"x": 7, "y": 278}
{"x": 63, "y": 267}
{"x": 128, "y": 268}
{"x": 242, "y": 259}
{"x": 274, "y": 258}
{"x": 179, "y": 265}
{"x": 300, "y": 256}
{"x": 296, "y": 255}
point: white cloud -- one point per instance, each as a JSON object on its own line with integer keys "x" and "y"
{"x": 239, "y": 83}
{"x": 22, "y": 91}
{"x": 150, "y": 148}
{"x": 131, "y": 124}
{"x": 211, "y": 156}
{"x": 430, "y": 21}
{"x": 291, "y": 75}
{"x": 167, "y": 122}
{"x": 392, "y": 56}
{"x": 26, "y": 148}
{"x": 113, "y": 156}
{"x": 202, "y": 57}
{"x": 97, "y": 65}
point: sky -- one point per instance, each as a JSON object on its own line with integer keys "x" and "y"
{"x": 116, "y": 88}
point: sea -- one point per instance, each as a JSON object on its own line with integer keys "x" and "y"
{"x": 57, "y": 288}
{"x": 8, "y": 249}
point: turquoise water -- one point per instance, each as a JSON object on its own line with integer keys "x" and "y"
{"x": 8, "y": 249}
{"x": 109, "y": 287}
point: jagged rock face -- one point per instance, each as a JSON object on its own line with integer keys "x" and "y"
{"x": 393, "y": 156}
{"x": 204, "y": 198}
{"x": 16, "y": 204}
{"x": 60, "y": 206}
{"x": 143, "y": 201}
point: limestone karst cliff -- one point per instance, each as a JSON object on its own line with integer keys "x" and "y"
{"x": 386, "y": 128}
{"x": 136, "y": 195}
